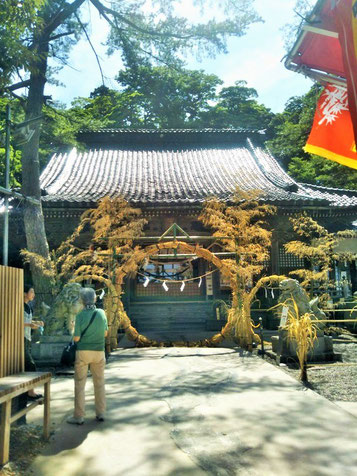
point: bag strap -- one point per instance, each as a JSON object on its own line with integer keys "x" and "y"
{"x": 90, "y": 322}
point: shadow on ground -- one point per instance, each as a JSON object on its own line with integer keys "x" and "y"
{"x": 185, "y": 412}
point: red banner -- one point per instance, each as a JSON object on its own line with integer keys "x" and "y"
{"x": 332, "y": 134}
{"x": 346, "y": 22}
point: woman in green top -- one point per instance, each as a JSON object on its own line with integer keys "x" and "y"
{"x": 90, "y": 352}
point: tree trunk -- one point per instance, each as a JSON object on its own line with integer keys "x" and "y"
{"x": 33, "y": 216}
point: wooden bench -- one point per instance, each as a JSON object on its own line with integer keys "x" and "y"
{"x": 13, "y": 386}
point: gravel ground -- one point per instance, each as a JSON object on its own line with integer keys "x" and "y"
{"x": 25, "y": 444}
{"x": 337, "y": 380}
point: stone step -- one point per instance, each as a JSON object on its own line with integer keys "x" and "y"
{"x": 170, "y": 310}
{"x": 165, "y": 315}
{"x": 177, "y": 317}
{"x": 163, "y": 319}
{"x": 144, "y": 329}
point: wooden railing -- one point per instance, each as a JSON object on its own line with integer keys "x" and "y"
{"x": 11, "y": 321}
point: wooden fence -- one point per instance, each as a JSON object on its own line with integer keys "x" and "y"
{"x": 11, "y": 321}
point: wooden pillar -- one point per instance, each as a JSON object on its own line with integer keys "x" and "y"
{"x": 216, "y": 285}
{"x": 127, "y": 293}
{"x": 5, "y": 432}
{"x": 353, "y": 271}
{"x": 47, "y": 411}
{"x": 275, "y": 266}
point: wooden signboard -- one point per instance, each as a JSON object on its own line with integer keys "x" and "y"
{"x": 11, "y": 321}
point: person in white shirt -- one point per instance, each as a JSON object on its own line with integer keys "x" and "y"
{"x": 29, "y": 323}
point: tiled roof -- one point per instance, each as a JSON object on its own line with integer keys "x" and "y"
{"x": 178, "y": 176}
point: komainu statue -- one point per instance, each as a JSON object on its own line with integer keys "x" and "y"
{"x": 292, "y": 290}
{"x": 59, "y": 318}
{"x": 283, "y": 348}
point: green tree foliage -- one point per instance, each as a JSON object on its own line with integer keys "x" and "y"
{"x": 320, "y": 171}
{"x": 159, "y": 96}
{"x": 15, "y": 153}
{"x": 162, "y": 33}
{"x": 154, "y": 97}
{"x": 17, "y": 18}
{"x": 237, "y": 107}
{"x": 159, "y": 33}
{"x": 292, "y": 129}
{"x": 167, "y": 97}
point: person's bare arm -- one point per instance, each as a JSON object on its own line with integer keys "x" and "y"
{"x": 33, "y": 325}
{"x": 39, "y": 323}
{"x": 76, "y": 338}
{"x": 105, "y": 333}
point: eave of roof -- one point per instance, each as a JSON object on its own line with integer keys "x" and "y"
{"x": 179, "y": 176}
{"x": 318, "y": 26}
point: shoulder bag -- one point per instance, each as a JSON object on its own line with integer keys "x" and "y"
{"x": 69, "y": 352}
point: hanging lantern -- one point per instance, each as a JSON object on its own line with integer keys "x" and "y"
{"x": 164, "y": 285}
{"x": 200, "y": 282}
{"x": 101, "y": 295}
{"x": 182, "y": 286}
{"x": 146, "y": 282}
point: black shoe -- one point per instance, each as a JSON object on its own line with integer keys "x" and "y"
{"x": 99, "y": 418}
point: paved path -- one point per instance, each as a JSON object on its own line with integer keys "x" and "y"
{"x": 193, "y": 412}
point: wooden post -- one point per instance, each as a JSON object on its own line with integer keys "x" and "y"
{"x": 11, "y": 321}
{"x": 47, "y": 411}
{"x": 275, "y": 265}
{"x": 5, "y": 432}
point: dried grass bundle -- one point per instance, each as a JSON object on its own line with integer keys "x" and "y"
{"x": 302, "y": 331}
{"x": 217, "y": 339}
{"x": 43, "y": 266}
{"x": 318, "y": 247}
{"x": 242, "y": 228}
{"x": 131, "y": 265}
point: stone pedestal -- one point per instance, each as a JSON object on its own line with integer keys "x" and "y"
{"x": 49, "y": 349}
{"x": 285, "y": 351}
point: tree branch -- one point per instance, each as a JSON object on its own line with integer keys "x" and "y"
{"x": 21, "y": 84}
{"x": 158, "y": 59}
{"x": 65, "y": 12}
{"x": 60, "y": 35}
{"x": 63, "y": 61}
{"x": 91, "y": 45}
{"x": 20, "y": 99}
{"x": 103, "y": 10}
